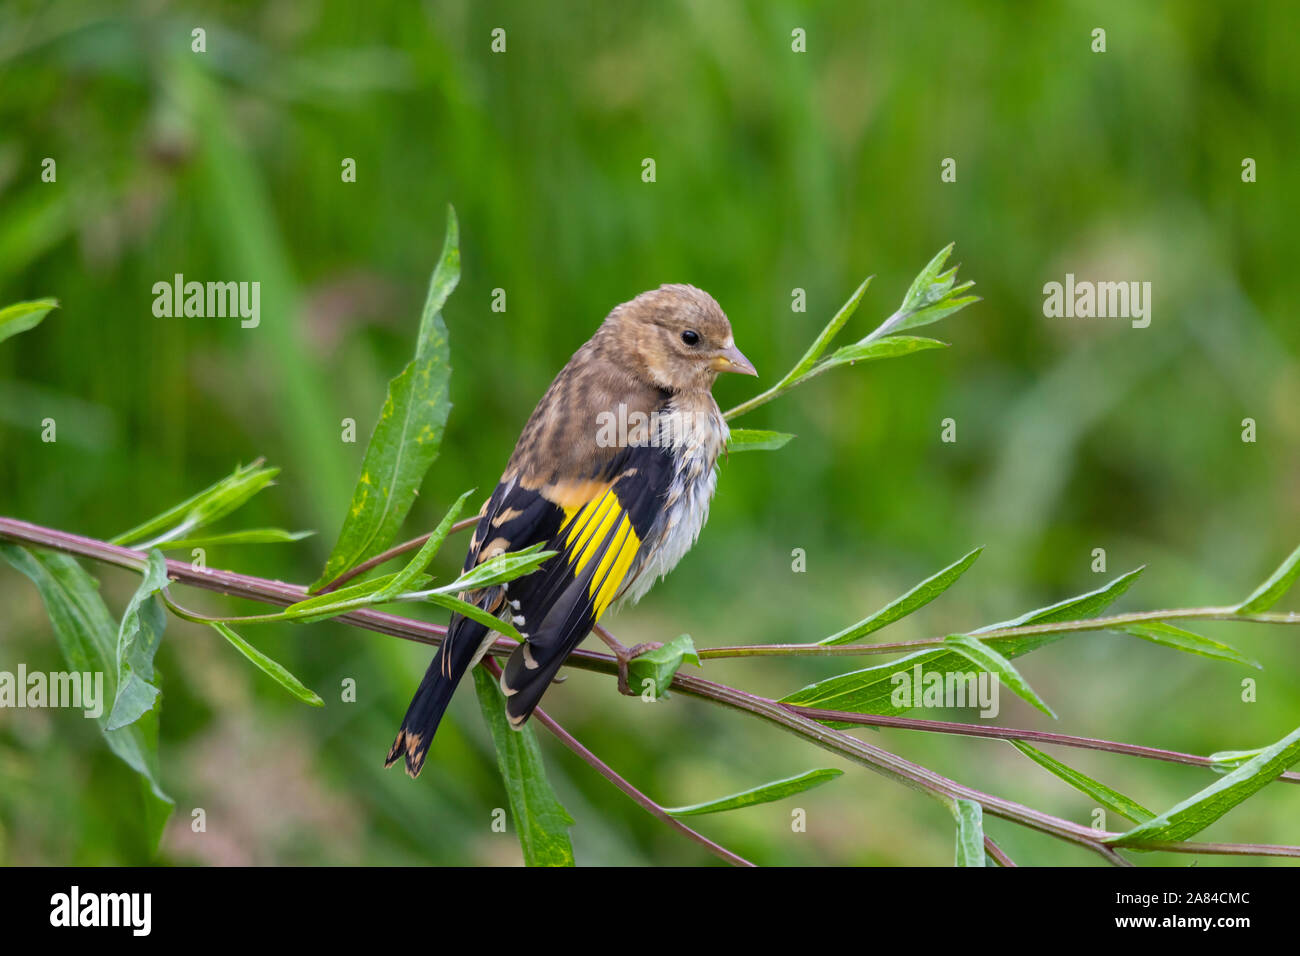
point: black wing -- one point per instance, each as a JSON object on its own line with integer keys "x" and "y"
{"x": 598, "y": 542}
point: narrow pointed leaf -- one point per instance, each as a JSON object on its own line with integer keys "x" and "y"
{"x": 1159, "y": 632}
{"x": 871, "y": 690}
{"x": 755, "y": 439}
{"x": 658, "y": 666}
{"x": 251, "y": 536}
{"x": 997, "y": 665}
{"x": 475, "y": 613}
{"x": 970, "y": 832}
{"x": 826, "y": 335}
{"x": 501, "y": 569}
{"x": 889, "y": 347}
{"x": 940, "y": 310}
{"x": 271, "y": 668}
{"x": 406, "y": 439}
{"x": 446, "y": 276}
{"x": 209, "y": 505}
{"x": 897, "y": 609}
{"x": 1112, "y": 800}
{"x": 1272, "y": 590}
{"x": 767, "y": 793}
{"x": 1198, "y": 811}
{"x": 347, "y": 599}
{"x": 540, "y": 819}
{"x": 415, "y": 567}
{"x": 22, "y": 316}
{"x": 1075, "y": 608}
{"x": 138, "y": 638}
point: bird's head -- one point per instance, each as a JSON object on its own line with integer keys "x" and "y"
{"x": 677, "y": 337}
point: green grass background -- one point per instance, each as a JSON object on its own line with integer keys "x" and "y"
{"x": 775, "y": 171}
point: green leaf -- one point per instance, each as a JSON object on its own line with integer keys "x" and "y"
{"x": 889, "y": 347}
{"x": 348, "y": 598}
{"x": 137, "y": 642}
{"x": 501, "y": 569}
{"x": 1198, "y": 811}
{"x": 756, "y": 439}
{"x": 209, "y": 505}
{"x": 1108, "y": 798}
{"x": 933, "y": 295}
{"x": 658, "y": 666}
{"x": 921, "y": 595}
{"x": 1075, "y": 608}
{"x": 869, "y": 691}
{"x": 415, "y": 567}
{"x": 767, "y": 793}
{"x": 1226, "y": 761}
{"x": 993, "y": 662}
{"x": 940, "y": 310}
{"x": 540, "y": 820}
{"x": 475, "y": 613}
{"x": 1159, "y": 632}
{"x": 446, "y": 275}
{"x": 826, "y": 335}
{"x": 929, "y": 286}
{"x": 269, "y": 667}
{"x": 1272, "y": 590}
{"x": 407, "y": 436}
{"x": 86, "y": 634}
{"x": 970, "y": 832}
{"x": 22, "y": 316}
{"x": 251, "y": 536}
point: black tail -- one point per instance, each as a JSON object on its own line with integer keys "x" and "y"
{"x": 434, "y": 694}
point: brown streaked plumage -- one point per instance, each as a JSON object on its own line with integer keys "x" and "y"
{"x": 620, "y": 511}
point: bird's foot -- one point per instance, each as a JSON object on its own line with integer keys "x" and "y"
{"x": 624, "y": 655}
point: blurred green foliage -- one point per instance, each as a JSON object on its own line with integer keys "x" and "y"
{"x": 775, "y": 171}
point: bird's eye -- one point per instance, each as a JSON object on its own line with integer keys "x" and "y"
{"x": 691, "y": 337}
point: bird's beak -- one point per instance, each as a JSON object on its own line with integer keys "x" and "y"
{"x": 731, "y": 360}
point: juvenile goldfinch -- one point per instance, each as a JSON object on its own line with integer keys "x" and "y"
{"x": 614, "y": 471}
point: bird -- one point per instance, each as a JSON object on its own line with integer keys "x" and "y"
{"x": 614, "y": 471}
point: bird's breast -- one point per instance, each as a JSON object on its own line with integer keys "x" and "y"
{"x": 694, "y": 434}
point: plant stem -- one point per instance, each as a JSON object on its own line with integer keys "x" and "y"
{"x": 1224, "y": 613}
{"x": 891, "y": 765}
{"x": 801, "y": 369}
{"x": 761, "y": 399}
{"x": 1013, "y": 733}
{"x": 835, "y": 741}
{"x": 998, "y": 854}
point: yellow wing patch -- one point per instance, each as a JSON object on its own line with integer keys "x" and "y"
{"x": 598, "y": 523}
